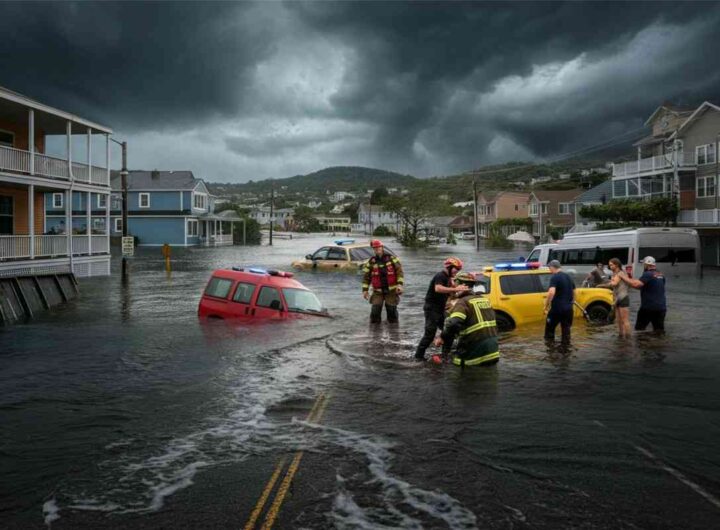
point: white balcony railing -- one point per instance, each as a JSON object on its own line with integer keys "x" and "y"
{"x": 17, "y": 160}
{"x": 699, "y": 217}
{"x": 50, "y": 246}
{"x": 14, "y": 247}
{"x": 654, "y": 164}
{"x": 80, "y": 244}
{"x": 100, "y": 244}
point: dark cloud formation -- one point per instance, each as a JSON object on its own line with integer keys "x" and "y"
{"x": 249, "y": 90}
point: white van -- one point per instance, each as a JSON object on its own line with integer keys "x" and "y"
{"x": 676, "y": 250}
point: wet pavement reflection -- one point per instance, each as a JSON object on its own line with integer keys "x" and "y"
{"x": 123, "y": 410}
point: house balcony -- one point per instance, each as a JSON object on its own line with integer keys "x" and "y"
{"x": 654, "y": 165}
{"x": 699, "y": 217}
{"x": 51, "y": 246}
{"x": 25, "y": 162}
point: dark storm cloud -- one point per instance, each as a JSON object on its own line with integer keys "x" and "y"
{"x": 269, "y": 88}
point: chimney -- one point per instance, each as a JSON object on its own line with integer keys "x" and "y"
{"x": 155, "y": 173}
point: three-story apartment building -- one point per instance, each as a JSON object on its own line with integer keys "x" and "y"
{"x": 552, "y": 210}
{"x": 28, "y": 175}
{"x": 680, "y": 160}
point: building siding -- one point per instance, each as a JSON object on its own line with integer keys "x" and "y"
{"x": 20, "y": 210}
{"x": 157, "y": 231}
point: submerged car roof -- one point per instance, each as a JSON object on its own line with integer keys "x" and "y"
{"x": 260, "y": 276}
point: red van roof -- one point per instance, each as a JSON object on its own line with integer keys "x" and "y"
{"x": 274, "y": 278}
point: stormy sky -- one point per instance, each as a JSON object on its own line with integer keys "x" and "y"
{"x": 240, "y": 91}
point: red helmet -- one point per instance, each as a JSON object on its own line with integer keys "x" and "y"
{"x": 375, "y": 243}
{"x": 453, "y": 262}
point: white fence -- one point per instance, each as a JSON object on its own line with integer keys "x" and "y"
{"x": 653, "y": 164}
{"x": 50, "y": 246}
{"x": 18, "y": 247}
{"x": 14, "y": 247}
{"x": 18, "y": 160}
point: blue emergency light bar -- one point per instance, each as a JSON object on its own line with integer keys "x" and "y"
{"x": 344, "y": 241}
{"x": 257, "y": 270}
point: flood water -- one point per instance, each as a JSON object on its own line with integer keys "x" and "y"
{"x": 122, "y": 410}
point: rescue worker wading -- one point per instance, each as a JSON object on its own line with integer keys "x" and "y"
{"x": 472, "y": 320}
{"x": 384, "y": 273}
{"x": 441, "y": 286}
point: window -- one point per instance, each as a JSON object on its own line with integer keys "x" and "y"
{"x": 57, "y": 200}
{"x": 519, "y": 284}
{"x": 97, "y": 226}
{"x": 706, "y": 186}
{"x": 321, "y": 253}
{"x": 192, "y": 227}
{"x": 199, "y": 201}
{"x": 484, "y": 281}
{"x": 588, "y": 256}
{"x": 337, "y": 254}
{"x": 6, "y": 215}
{"x": 7, "y": 138}
{"x": 669, "y": 254}
{"x": 218, "y": 287}
{"x": 619, "y": 188}
{"x": 144, "y": 200}
{"x": 543, "y": 208}
{"x": 118, "y": 224}
{"x": 564, "y": 208}
{"x": 102, "y": 201}
{"x": 244, "y": 293}
{"x": 115, "y": 203}
{"x": 302, "y": 300}
{"x": 533, "y": 208}
{"x": 633, "y": 188}
{"x": 361, "y": 254}
{"x": 705, "y": 154}
{"x": 534, "y": 255}
{"x": 267, "y": 296}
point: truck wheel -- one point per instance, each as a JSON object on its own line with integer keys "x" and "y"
{"x": 504, "y": 322}
{"x": 599, "y": 313}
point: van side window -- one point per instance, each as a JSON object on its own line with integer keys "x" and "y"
{"x": 669, "y": 255}
{"x": 534, "y": 255}
{"x": 218, "y": 287}
{"x": 519, "y": 284}
{"x": 337, "y": 254}
{"x": 243, "y": 293}
{"x": 620, "y": 253}
{"x": 322, "y": 253}
{"x": 267, "y": 296}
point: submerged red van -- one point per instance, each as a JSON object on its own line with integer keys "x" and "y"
{"x": 257, "y": 294}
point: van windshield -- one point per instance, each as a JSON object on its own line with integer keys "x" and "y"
{"x": 302, "y": 300}
{"x": 534, "y": 255}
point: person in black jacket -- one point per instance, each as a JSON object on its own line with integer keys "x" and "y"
{"x": 441, "y": 286}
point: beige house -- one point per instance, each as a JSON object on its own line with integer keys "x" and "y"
{"x": 501, "y": 205}
{"x": 552, "y": 210}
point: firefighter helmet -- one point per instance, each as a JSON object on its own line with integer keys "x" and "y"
{"x": 453, "y": 262}
{"x": 375, "y": 243}
{"x": 467, "y": 278}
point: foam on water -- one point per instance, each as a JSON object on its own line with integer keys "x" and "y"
{"x": 51, "y": 511}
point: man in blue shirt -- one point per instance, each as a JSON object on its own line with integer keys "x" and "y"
{"x": 653, "y": 305}
{"x": 559, "y": 303}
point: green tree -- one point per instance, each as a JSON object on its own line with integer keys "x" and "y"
{"x": 379, "y": 195}
{"x": 304, "y": 220}
{"x": 412, "y": 209}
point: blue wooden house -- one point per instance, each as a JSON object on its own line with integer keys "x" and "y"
{"x": 171, "y": 207}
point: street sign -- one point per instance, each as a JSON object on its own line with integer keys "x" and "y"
{"x": 128, "y": 246}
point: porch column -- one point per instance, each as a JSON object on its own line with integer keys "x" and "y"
{"x": 68, "y": 220}
{"x": 88, "y": 216}
{"x": 31, "y": 140}
{"x": 107, "y": 160}
{"x": 89, "y": 154}
{"x": 68, "y": 136}
{"x": 107, "y": 220}
{"x": 31, "y": 217}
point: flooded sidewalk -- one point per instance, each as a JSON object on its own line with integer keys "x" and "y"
{"x": 122, "y": 410}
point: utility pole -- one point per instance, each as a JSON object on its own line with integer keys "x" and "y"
{"x": 124, "y": 190}
{"x": 272, "y": 209}
{"x": 475, "y": 216}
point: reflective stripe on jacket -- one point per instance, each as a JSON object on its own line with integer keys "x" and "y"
{"x": 472, "y": 319}
{"x": 384, "y": 273}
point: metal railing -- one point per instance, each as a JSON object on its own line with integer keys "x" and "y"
{"x": 17, "y": 160}
{"x": 653, "y": 164}
{"x": 699, "y": 217}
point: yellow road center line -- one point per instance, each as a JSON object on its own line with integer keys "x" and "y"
{"x": 294, "y": 465}
{"x": 278, "y": 470}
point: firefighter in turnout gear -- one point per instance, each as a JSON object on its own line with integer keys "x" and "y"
{"x": 472, "y": 319}
{"x": 384, "y": 273}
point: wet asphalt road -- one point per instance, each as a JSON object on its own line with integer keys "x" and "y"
{"x": 121, "y": 410}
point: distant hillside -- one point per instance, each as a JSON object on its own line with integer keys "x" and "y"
{"x": 341, "y": 178}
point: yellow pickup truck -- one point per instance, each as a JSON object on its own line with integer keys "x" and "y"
{"x": 517, "y": 294}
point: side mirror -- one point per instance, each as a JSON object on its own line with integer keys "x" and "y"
{"x": 275, "y": 304}
{"x": 309, "y": 256}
